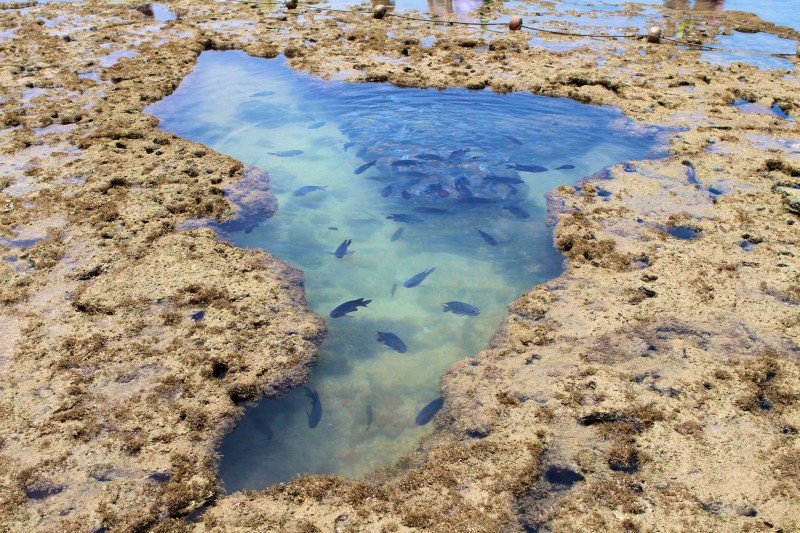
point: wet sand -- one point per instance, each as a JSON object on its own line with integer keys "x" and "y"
{"x": 662, "y": 370}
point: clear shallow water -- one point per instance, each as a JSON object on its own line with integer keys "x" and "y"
{"x": 753, "y": 42}
{"x": 215, "y": 106}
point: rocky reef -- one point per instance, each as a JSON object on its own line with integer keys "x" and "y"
{"x": 655, "y": 385}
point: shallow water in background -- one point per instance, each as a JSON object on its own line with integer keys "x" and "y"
{"x": 253, "y": 108}
{"x": 743, "y": 43}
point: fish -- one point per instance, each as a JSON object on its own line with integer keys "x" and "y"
{"x": 514, "y": 140}
{"x": 341, "y": 251}
{"x": 526, "y": 168}
{"x": 565, "y": 167}
{"x": 387, "y": 191}
{"x": 503, "y": 179}
{"x": 405, "y": 163}
{"x": 432, "y": 210}
{"x": 475, "y": 200}
{"x": 394, "y": 289}
{"x": 397, "y": 234}
{"x": 429, "y": 411}
{"x": 317, "y": 125}
{"x": 416, "y": 279}
{"x": 286, "y": 153}
{"x": 516, "y": 211}
{"x": 491, "y": 241}
{"x": 405, "y": 194}
{"x": 350, "y": 306}
{"x": 349, "y": 145}
{"x": 363, "y": 168}
{"x": 442, "y": 193}
{"x": 198, "y": 316}
{"x": 430, "y": 157}
{"x": 315, "y": 415}
{"x": 302, "y": 191}
{"x": 392, "y": 341}
{"x": 249, "y": 229}
{"x": 458, "y": 153}
{"x": 262, "y": 93}
{"x": 460, "y": 308}
{"x": 401, "y": 217}
{"x": 369, "y": 417}
{"x": 333, "y": 228}
{"x": 629, "y": 167}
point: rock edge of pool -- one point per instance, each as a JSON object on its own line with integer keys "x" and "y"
{"x": 652, "y": 386}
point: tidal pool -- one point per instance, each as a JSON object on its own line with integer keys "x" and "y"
{"x": 346, "y": 162}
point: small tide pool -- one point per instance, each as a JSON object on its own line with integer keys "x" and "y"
{"x": 377, "y": 186}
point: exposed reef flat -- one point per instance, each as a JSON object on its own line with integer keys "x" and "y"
{"x": 653, "y": 386}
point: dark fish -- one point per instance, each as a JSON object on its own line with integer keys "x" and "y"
{"x": 458, "y": 153}
{"x": 460, "y": 308}
{"x": 416, "y": 279}
{"x": 430, "y": 157}
{"x": 333, "y": 228}
{"x": 516, "y": 211}
{"x": 442, "y": 193}
{"x": 432, "y": 210}
{"x": 386, "y": 191}
{"x": 475, "y": 200}
{"x": 565, "y": 167}
{"x": 397, "y": 234}
{"x": 513, "y": 140}
{"x": 341, "y": 251}
{"x": 249, "y": 229}
{"x": 286, "y": 153}
{"x": 394, "y": 289}
{"x": 262, "y": 93}
{"x": 629, "y": 167}
{"x": 404, "y": 163}
{"x": 198, "y": 316}
{"x": 369, "y": 417}
{"x": 433, "y": 188}
{"x": 302, "y": 191}
{"x": 315, "y": 415}
{"x": 400, "y": 217}
{"x": 491, "y": 241}
{"x": 392, "y": 341}
{"x": 349, "y": 145}
{"x": 405, "y": 194}
{"x": 429, "y": 411}
{"x": 363, "y": 168}
{"x": 317, "y": 125}
{"x": 350, "y": 306}
{"x": 527, "y": 168}
{"x": 509, "y": 180}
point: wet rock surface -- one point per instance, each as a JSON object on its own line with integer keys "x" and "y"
{"x": 645, "y": 369}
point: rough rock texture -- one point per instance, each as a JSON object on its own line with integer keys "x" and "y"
{"x": 663, "y": 371}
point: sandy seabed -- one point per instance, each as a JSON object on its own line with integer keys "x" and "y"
{"x": 673, "y": 389}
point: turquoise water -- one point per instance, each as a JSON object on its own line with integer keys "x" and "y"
{"x": 457, "y": 152}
